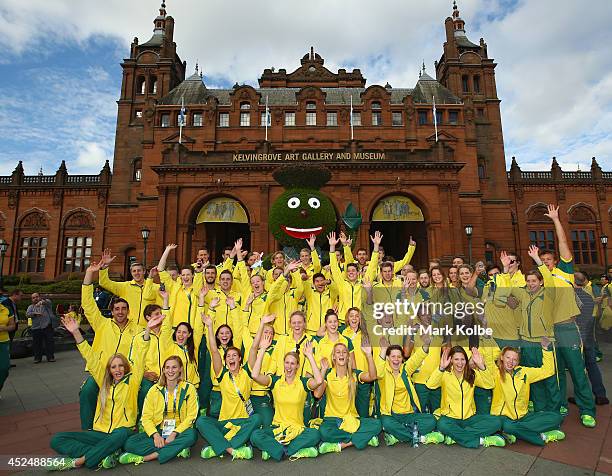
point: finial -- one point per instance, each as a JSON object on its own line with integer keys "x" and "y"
{"x": 312, "y": 57}
{"x": 196, "y": 67}
{"x": 40, "y": 172}
{"x": 455, "y": 10}
{"x": 423, "y": 66}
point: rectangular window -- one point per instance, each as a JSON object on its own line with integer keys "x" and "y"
{"x": 356, "y": 118}
{"x": 332, "y": 119}
{"x": 543, "y": 239}
{"x": 197, "y": 119}
{"x": 376, "y": 118}
{"x": 584, "y": 247}
{"x": 77, "y": 253}
{"x": 439, "y": 116}
{"x": 311, "y": 118}
{"x": 32, "y": 254}
{"x": 476, "y": 80}
{"x": 245, "y": 119}
{"x": 396, "y": 118}
{"x": 480, "y": 112}
{"x": 453, "y": 117}
{"x": 165, "y": 120}
{"x": 290, "y": 119}
{"x": 223, "y": 119}
{"x": 422, "y": 118}
{"x": 465, "y": 85}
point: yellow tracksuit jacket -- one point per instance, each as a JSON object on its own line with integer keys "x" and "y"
{"x": 120, "y": 408}
{"x": 110, "y": 338}
{"x": 184, "y": 410}
{"x": 511, "y": 394}
{"x": 349, "y": 294}
{"x": 137, "y": 296}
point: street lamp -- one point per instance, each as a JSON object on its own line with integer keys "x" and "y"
{"x": 3, "y": 247}
{"x": 604, "y": 243}
{"x": 145, "y": 232}
{"x": 468, "y": 231}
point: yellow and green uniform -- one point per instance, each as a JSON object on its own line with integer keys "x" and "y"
{"x": 234, "y": 426}
{"x": 511, "y": 396}
{"x": 458, "y": 418}
{"x": 500, "y": 318}
{"x": 260, "y": 394}
{"x": 6, "y": 314}
{"x": 568, "y": 343}
{"x": 399, "y": 403}
{"x": 114, "y": 422}
{"x": 179, "y": 406}
{"x": 287, "y": 434}
{"x": 170, "y": 347}
{"x": 428, "y": 398}
{"x": 318, "y": 303}
{"x": 286, "y": 344}
{"x": 183, "y": 301}
{"x": 350, "y": 294}
{"x": 341, "y": 423}
{"x": 137, "y": 295}
{"x": 110, "y": 339}
{"x": 364, "y": 390}
{"x": 153, "y": 362}
{"x": 289, "y": 297}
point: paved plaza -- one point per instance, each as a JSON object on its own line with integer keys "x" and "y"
{"x": 39, "y": 400}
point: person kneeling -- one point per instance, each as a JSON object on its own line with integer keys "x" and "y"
{"x": 511, "y": 396}
{"x": 287, "y": 435}
{"x": 168, "y": 415}
{"x": 400, "y": 409}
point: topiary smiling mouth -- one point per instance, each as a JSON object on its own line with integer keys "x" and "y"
{"x": 301, "y": 233}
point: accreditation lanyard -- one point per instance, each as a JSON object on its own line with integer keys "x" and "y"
{"x": 169, "y": 423}
{"x": 248, "y": 405}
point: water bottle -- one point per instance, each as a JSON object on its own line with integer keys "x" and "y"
{"x": 415, "y": 435}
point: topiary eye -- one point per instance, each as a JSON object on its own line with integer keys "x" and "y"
{"x": 293, "y": 202}
{"x": 314, "y": 202}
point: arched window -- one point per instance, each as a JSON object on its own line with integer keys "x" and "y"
{"x": 33, "y": 237}
{"x": 78, "y": 242}
{"x": 137, "y": 170}
{"x": 540, "y": 227}
{"x": 482, "y": 168}
{"x": 585, "y": 242}
{"x": 376, "y": 114}
{"x": 245, "y": 114}
{"x": 153, "y": 85}
{"x": 141, "y": 85}
{"x": 311, "y": 114}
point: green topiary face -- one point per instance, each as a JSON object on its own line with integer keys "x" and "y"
{"x": 299, "y": 213}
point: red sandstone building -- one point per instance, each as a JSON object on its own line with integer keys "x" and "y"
{"x": 390, "y": 164}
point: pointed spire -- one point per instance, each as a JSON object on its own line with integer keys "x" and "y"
{"x": 556, "y": 169}
{"x": 19, "y": 168}
{"x": 515, "y": 170}
{"x": 596, "y": 172}
{"x": 62, "y": 167}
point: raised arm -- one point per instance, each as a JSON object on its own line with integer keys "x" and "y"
{"x": 316, "y": 262}
{"x": 94, "y": 364}
{"x": 112, "y": 286}
{"x": 317, "y": 377}
{"x": 398, "y": 265}
{"x": 257, "y": 339}
{"x": 564, "y": 250}
{"x": 347, "y": 242}
{"x": 217, "y": 362}
{"x": 371, "y": 375}
{"x": 164, "y": 257}
{"x": 92, "y": 312}
{"x": 257, "y": 357}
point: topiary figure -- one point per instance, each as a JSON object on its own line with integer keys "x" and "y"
{"x": 302, "y": 210}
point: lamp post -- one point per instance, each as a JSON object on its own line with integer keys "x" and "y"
{"x": 468, "y": 231}
{"x": 3, "y": 247}
{"x": 145, "y": 232}
{"x": 604, "y": 243}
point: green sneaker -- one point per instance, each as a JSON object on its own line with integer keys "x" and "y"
{"x": 553, "y": 435}
{"x": 494, "y": 440}
{"x": 511, "y": 439}
{"x": 61, "y": 463}
{"x": 310, "y": 452}
{"x": 563, "y": 410}
{"x": 244, "y": 452}
{"x": 265, "y": 455}
{"x": 329, "y": 448}
{"x": 207, "y": 453}
{"x": 432, "y": 438}
{"x": 109, "y": 462}
{"x": 390, "y": 440}
{"x": 129, "y": 458}
{"x": 588, "y": 421}
{"x": 185, "y": 453}
{"x": 373, "y": 441}
{"x": 449, "y": 441}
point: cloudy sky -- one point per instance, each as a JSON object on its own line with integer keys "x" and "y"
{"x": 60, "y": 73}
